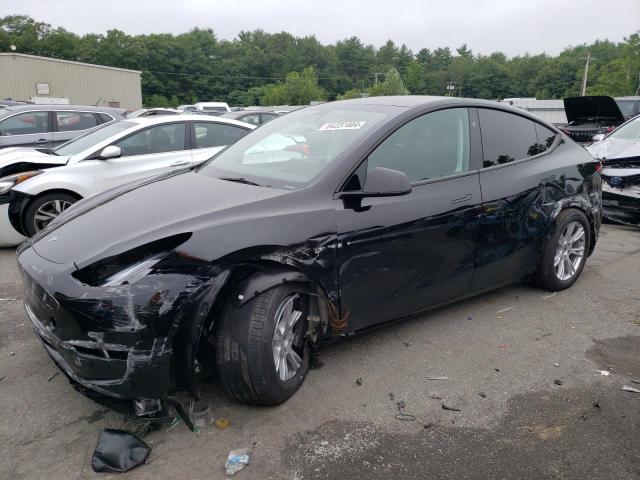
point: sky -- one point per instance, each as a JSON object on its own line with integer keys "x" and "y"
{"x": 511, "y": 26}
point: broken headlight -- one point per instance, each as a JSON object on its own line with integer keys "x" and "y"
{"x": 7, "y": 183}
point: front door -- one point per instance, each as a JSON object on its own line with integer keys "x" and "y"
{"x": 145, "y": 153}
{"x": 400, "y": 255}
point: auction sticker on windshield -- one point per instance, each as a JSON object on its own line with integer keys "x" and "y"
{"x": 341, "y": 126}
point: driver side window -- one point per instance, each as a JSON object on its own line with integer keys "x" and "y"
{"x": 431, "y": 146}
{"x": 158, "y": 139}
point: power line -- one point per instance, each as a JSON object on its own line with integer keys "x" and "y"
{"x": 250, "y": 77}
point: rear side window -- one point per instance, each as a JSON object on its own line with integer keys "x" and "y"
{"x": 545, "y": 136}
{"x": 431, "y": 146}
{"x": 506, "y": 137}
{"x": 69, "y": 121}
{"x": 103, "y": 118}
{"x": 25, "y": 123}
{"x": 253, "y": 119}
{"x": 209, "y": 134}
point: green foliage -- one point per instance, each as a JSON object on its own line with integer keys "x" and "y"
{"x": 259, "y": 67}
{"x": 353, "y": 93}
{"x": 392, "y": 85}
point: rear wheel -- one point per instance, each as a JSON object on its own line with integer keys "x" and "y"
{"x": 565, "y": 251}
{"x": 262, "y": 355}
{"x": 41, "y": 211}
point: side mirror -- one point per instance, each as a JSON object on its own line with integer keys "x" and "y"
{"x": 383, "y": 182}
{"x": 110, "y": 152}
{"x": 598, "y": 138}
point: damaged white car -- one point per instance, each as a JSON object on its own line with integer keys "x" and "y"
{"x": 619, "y": 153}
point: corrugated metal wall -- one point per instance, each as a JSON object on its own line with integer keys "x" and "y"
{"x": 82, "y": 84}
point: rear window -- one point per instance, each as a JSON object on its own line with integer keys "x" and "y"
{"x": 103, "y": 118}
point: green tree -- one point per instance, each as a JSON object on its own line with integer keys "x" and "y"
{"x": 392, "y": 85}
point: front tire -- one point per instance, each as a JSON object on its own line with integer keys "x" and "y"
{"x": 565, "y": 251}
{"x": 42, "y": 210}
{"x": 262, "y": 355}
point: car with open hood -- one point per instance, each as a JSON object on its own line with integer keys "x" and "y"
{"x": 591, "y": 115}
{"x": 322, "y": 223}
{"x": 38, "y": 185}
{"x": 619, "y": 153}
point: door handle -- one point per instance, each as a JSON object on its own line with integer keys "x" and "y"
{"x": 462, "y": 199}
{"x": 42, "y": 140}
{"x": 180, "y": 163}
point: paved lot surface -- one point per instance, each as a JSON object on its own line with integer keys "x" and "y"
{"x": 502, "y": 345}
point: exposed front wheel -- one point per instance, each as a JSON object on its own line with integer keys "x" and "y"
{"x": 262, "y": 355}
{"x": 565, "y": 251}
{"x": 41, "y": 211}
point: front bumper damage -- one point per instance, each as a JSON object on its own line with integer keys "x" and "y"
{"x": 621, "y": 195}
{"x": 117, "y": 341}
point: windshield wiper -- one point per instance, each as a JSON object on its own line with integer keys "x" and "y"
{"x": 240, "y": 180}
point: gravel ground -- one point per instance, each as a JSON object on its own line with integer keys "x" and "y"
{"x": 521, "y": 366}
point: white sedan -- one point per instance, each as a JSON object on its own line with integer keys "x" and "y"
{"x": 38, "y": 185}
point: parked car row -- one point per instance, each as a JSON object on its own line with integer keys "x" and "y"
{"x": 36, "y": 185}
{"x": 324, "y": 222}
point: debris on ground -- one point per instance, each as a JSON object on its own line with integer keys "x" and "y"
{"x": 437, "y": 378}
{"x": 406, "y": 344}
{"x": 53, "y": 376}
{"x": 435, "y": 396}
{"x": 558, "y": 382}
{"x": 391, "y": 396}
{"x": 469, "y": 318}
{"x": 606, "y": 373}
{"x": 505, "y": 309}
{"x": 201, "y": 418}
{"x": 627, "y": 388}
{"x": 11, "y": 354}
{"x": 497, "y": 369}
{"x": 452, "y": 408}
{"x": 118, "y": 451}
{"x": 8, "y": 300}
{"x": 556, "y": 364}
{"x": 632, "y": 381}
{"x": 550, "y": 296}
{"x": 222, "y": 423}
{"x": 324, "y": 443}
{"x": 482, "y": 394}
{"x": 359, "y": 381}
{"x": 1, "y": 378}
{"x": 237, "y": 460}
{"x": 401, "y": 405}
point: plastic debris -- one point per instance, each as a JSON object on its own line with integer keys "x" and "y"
{"x": 452, "y": 408}
{"x": 324, "y": 443}
{"x": 8, "y": 300}
{"x": 558, "y": 382}
{"x": 499, "y": 317}
{"x": 437, "y": 378}
{"x": 237, "y": 460}
{"x": 549, "y": 296}
{"x": 435, "y": 396}
{"x": 627, "y": 388}
{"x": 505, "y": 309}
{"x": 11, "y": 354}
{"x": 201, "y": 418}
{"x": 222, "y": 423}
{"x": 606, "y": 373}
{"x": 359, "y": 381}
{"x": 556, "y": 364}
{"x": 118, "y": 451}
{"x": 53, "y": 376}
{"x": 632, "y": 381}
{"x": 482, "y": 394}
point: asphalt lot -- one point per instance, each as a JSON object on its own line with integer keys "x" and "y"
{"x": 503, "y": 345}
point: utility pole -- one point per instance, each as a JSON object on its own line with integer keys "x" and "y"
{"x": 586, "y": 74}
{"x": 451, "y": 87}
{"x": 375, "y": 76}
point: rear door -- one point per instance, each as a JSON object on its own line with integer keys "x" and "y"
{"x": 32, "y": 128}
{"x": 399, "y": 255}
{"x": 521, "y": 184}
{"x": 208, "y": 138}
{"x": 68, "y": 124}
{"x": 151, "y": 151}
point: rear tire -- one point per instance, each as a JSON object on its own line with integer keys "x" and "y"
{"x": 42, "y": 210}
{"x": 565, "y": 251}
{"x": 245, "y": 339}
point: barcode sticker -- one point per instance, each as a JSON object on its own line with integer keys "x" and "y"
{"x": 341, "y": 126}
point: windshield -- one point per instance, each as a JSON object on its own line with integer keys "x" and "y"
{"x": 88, "y": 140}
{"x": 629, "y": 131}
{"x": 293, "y": 149}
{"x": 626, "y": 107}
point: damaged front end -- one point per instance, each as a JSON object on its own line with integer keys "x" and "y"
{"x": 111, "y": 326}
{"x": 621, "y": 190}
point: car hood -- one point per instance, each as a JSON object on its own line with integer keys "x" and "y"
{"x": 592, "y": 108}
{"x": 613, "y": 149}
{"x": 131, "y": 216}
{"x": 22, "y": 159}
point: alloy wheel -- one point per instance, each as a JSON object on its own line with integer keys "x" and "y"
{"x": 569, "y": 251}
{"x": 47, "y": 212}
{"x": 287, "y": 361}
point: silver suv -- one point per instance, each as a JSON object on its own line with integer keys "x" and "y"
{"x": 45, "y": 126}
